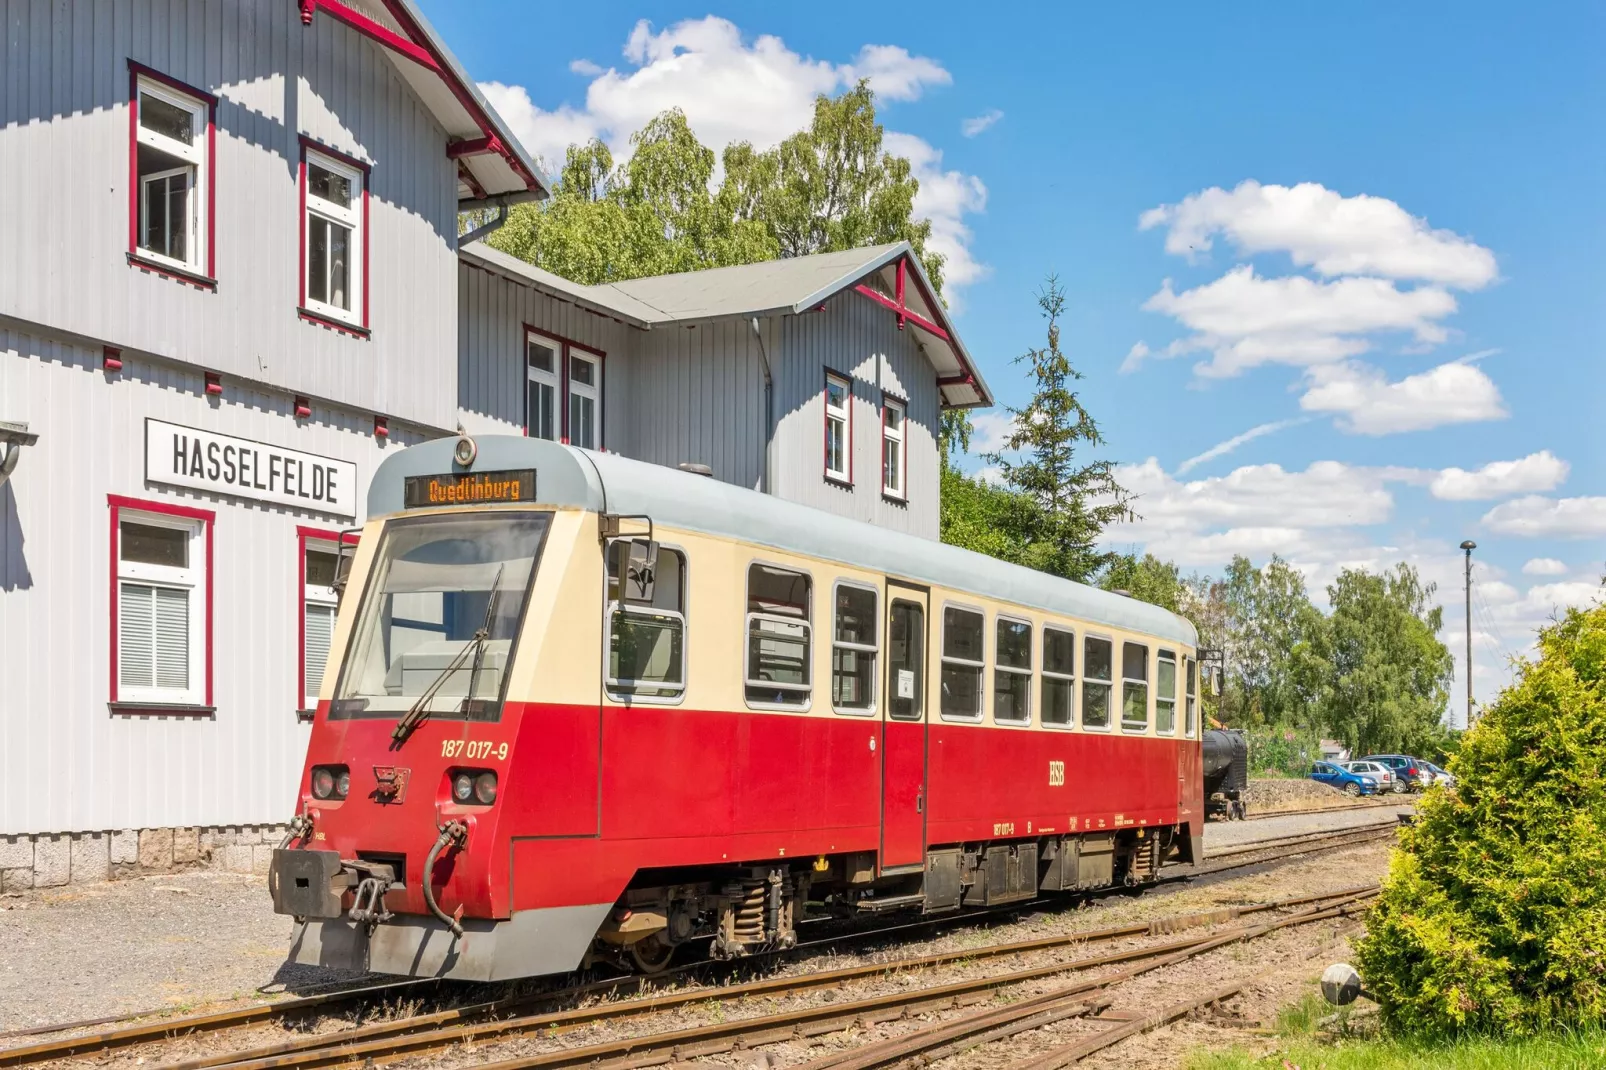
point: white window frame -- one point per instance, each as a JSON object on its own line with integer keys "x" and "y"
{"x": 1163, "y": 655}
{"x": 624, "y": 691}
{"x": 351, "y": 217}
{"x": 591, "y": 392}
{"x": 844, "y": 418}
{"x": 900, "y": 439}
{"x": 1148, "y": 688}
{"x": 313, "y": 594}
{"x": 194, "y": 157}
{"x": 549, "y": 379}
{"x": 191, "y": 579}
{"x": 1046, "y": 675}
{"x": 1000, "y": 667}
{"x": 873, "y": 649}
{"x": 944, "y": 660}
{"x": 1113, "y": 706}
{"x": 1191, "y": 687}
{"x": 805, "y": 689}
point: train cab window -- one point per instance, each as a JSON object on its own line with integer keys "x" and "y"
{"x": 1059, "y": 677}
{"x": 906, "y": 659}
{"x": 646, "y": 624}
{"x": 1012, "y": 672}
{"x": 1134, "y": 687}
{"x": 1098, "y": 659}
{"x": 962, "y": 662}
{"x": 854, "y": 649}
{"x": 1165, "y": 692}
{"x": 778, "y": 637}
{"x": 1190, "y": 708}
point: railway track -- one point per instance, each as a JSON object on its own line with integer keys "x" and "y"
{"x": 506, "y": 1016}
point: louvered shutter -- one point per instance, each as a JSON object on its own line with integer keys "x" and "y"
{"x": 320, "y": 627}
{"x": 172, "y": 638}
{"x": 136, "y": 635}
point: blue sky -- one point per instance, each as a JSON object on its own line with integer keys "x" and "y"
{"x": 1380, "y": 224}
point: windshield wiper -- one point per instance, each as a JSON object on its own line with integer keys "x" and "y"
{"x": 419, "y": 710}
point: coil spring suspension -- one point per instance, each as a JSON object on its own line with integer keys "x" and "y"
{"x": 757, "y": 914}
{"x": 749, "y": 907}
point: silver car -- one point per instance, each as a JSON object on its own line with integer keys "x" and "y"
{"x": 1376, "y": 770}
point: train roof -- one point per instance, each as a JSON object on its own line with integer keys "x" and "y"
{"x": 605, "y": 482}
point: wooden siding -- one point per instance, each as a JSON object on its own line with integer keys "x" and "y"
{"x": 64, "y": 131}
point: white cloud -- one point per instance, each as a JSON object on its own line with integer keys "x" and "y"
{"x": 1366, "y": 403}
{"x": 1134, "y": 357}
{"x": 1221, "y": 449}
{"x": 1244, "y": 320}
{"x": 758, "y": 91}
{"x": 585, "y": 67}
{"x": 976, "y": 124}
{"x": 1499, "y": 479}
{"x": 1326, "y": 494}
{"x": 989, "y": 430}
{"x": 1321, "y": 229}
{"x": 1544, "y": 566}
{"x": 1538, "y": 517}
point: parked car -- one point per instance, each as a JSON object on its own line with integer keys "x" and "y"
{"x": 1410, "y": 774}
{"x": 1376, "y": 770}
{"x": 1342, "y": 779}
{"x": 1440, "y": 776}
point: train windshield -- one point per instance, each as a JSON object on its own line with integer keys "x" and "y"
{"x": 440, "y": 615}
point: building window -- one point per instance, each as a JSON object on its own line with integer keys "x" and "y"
{"x": 542, "y": 359}
{"x": 1134, "y": 687}
{"x": 585, "y": 393}
{"x": 161, "y": 618}
{"x": 334, "y": 236}
{"x": 893, "y": 459}
{"x": 320, "y": 564}
{"x": 172, "y": 173}
{"x": 646, "y": 622}
{"x": 778, "y": 647}
{"x": 1012, "y": 671}
{"x": 1097, "y": 663}
{"x": 962, "y": 662}
{"x": 838, "y": 428}
{"x": 854, "y": 649}
{"x": 1059, "y": 677}
{"x": 1165, "y": 692}
{"x": 1190, "y": 709}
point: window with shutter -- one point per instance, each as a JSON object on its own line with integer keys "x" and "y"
{"x": 320, "y": 561}
{"x": 161, "y": 577}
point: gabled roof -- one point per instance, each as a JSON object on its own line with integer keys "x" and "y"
{"x": 491, "y": 162}
{"x": 891, "y": 275}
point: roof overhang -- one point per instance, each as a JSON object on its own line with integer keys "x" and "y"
{"x": 491, "y": 164}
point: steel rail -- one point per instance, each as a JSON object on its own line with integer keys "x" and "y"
{"x": 1063, "y": 1056}
{"x": 1279, "y": 843}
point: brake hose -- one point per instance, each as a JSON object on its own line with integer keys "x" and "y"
{"x": 453, "y": 833}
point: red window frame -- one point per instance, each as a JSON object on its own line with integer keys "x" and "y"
{"x": 304, "y": 535}
{"x": 902, "y": 496}
{"x": 825, "y": 429}
{"x": 564, "y": 346}
{"x": 116, "y": 504}
{"x": 136, "y": 258}
{"x": 357, "y": 330}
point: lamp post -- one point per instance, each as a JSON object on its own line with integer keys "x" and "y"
{"x": 1468, "y": 547}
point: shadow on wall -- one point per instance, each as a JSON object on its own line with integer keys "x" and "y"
{"x": 14, "y": 574}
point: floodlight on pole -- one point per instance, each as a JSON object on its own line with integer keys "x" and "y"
{"x": 1468, "y": 547}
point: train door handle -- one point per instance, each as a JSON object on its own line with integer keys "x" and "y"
{"x": 920, "y": 802}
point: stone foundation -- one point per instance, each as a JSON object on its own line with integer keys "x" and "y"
{"x": 54, "y": 860}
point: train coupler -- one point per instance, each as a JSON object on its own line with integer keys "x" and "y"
{"x": 313, "y": 884}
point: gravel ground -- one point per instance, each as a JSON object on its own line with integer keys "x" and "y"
{"x": 177, "y": 941}
{"x": 1233, "y": 833}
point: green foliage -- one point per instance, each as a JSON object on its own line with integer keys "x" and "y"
{"x": 1566, "y": 1050}
{"x": 1493, "y": 916}
{"x": 1281, "y": 751}
{"x": 831, "y": 186}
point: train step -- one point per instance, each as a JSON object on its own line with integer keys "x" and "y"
{"x": 891, "y": 902}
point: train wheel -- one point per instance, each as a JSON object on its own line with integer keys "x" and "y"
{"x": 651, "y": 955}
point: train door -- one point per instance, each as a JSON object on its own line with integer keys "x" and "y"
{"x": 903, "y": 731}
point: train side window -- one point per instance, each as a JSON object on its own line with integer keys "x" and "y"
{"x": 1190, "y": 709}
{"x": 1098, "y": 657}
{"x": 1059, "y": 677}
{"x": 1012, "y": 673}
{"x": 906, "y": 661}
{"x": 963, "y": 662}
{"x": 779, "y": 603}
{"x": 1134, "y": 687}
{"x": 647, "y": 637}
{"x": 854, "y": 649}
{"x": 1165, "y": 692}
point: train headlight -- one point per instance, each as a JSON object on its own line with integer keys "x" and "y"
{"x": 463, "y": 787}
{"x": 343, "y": 783}
{"x": 330, "y": 781}
{"x": 485, "y": 788}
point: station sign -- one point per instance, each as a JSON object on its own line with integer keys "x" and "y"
{"x": 222, "y": 464}
{"x": 469, "y": 488}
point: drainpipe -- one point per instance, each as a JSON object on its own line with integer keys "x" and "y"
{"x": 769, "y": 408}
{"x": 485, "y": 230}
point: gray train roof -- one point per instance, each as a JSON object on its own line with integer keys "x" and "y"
{"x": 605, "y": 482}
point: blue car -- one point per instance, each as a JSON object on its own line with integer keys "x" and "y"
{"x": 1342, "y": 779}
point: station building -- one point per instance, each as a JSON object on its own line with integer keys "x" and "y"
{"x": 241, "y": 285}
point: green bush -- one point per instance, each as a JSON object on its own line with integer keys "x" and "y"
{"x": 1493, "y": 915}
{"x": 1278, "y": 751}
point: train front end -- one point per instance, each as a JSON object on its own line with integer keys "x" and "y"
{"x": 397, "y": 859}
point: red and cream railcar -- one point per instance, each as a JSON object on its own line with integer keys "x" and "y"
{"x": 579, "y": 705}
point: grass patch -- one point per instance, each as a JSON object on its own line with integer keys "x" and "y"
{"x": 1558, "y": 1051}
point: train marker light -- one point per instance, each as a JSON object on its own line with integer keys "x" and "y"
{"x": 485, "y": 788}
{"x": 462, "y": 787}
{"x": 330, "y": 782}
